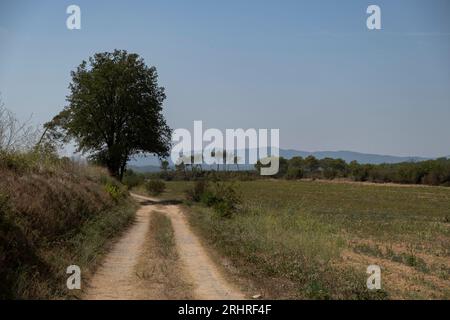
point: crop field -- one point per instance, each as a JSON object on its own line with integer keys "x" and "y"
{"x": 315, "y": 239}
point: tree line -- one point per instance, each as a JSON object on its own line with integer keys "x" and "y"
{"x": 429, "y": 172}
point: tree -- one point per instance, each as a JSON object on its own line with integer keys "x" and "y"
{"x": 295, "y": 168}
{"x": 181, "y": 167}
{"x": 294, "y": 172}
{"x": 114, "y": 111}
{"x": 164, "y": 165}
{"x": 296, "y": 162}
{"x": 311, "y": 164}
{"x": 329, "y": 170}
{"x": 283, "y": 167}
{"x": 164, "y": 168}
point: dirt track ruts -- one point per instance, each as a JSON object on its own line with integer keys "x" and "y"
{"x": 116, "y": 277}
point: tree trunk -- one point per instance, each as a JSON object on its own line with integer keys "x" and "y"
{"x": 122, "y": 171}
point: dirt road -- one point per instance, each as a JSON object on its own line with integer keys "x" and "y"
{"x": 117, "y": 277}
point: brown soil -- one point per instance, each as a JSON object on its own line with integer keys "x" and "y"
{"x": 401, "y": 281}
{"x": 133, "y": 270}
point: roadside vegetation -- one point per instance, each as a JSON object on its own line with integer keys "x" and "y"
{"x": 299, "y": 235}
{"x": 54, "y": 212}
{"x": 315, "y": 239}
{"x": 155, "y": 187}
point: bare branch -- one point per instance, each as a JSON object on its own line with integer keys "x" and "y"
{"x": 14, "y": 134}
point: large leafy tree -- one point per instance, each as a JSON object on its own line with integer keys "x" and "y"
{"x": 114, "y": 111}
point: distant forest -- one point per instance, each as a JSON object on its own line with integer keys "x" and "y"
{"x": 429, "y": 172}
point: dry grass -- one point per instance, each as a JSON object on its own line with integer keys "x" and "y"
{"x": 309, "y": 239}
{"x": 53, "y": 213}
{"x": 159, "y": 268}
{"x": 175, "y": 190}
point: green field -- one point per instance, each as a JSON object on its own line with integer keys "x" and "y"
{"x": 315, "y": 239}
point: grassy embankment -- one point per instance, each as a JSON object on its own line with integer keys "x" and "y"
{"x": 304, "y": 239}
{"x": 54, "y": 213}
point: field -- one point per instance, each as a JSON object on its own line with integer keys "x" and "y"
{"x": 315, "y": 239}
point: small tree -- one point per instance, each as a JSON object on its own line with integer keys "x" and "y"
{"x": 164, "y": 165}
{"x": 114, "y": 111}
{"x": 165, "y": 169}
{"x": 181, "y": 167}
{"x": 311, "y": 164}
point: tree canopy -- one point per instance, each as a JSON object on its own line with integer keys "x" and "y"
{"x": 114, "y": 111}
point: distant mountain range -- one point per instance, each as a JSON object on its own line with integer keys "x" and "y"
{"x": 142, "y": 169}
{"x": 152, "y": 163}
{"x": 349, "y": 156}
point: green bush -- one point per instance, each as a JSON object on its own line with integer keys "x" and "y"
{"x": 294, "y": 173}
{"x": 113, "y": 187}
{"x": 329, "y": 174}
{"x": 222, "y": 196}
{"x": 208, "y": 198}
{"x": 155, "y": 187}
{"x": 196, "y": 193}
{"x": 132, "y": 179}
{"x": 114, "y": 191}
{"x": 227, "y": 198}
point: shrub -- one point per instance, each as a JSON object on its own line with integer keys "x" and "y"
{"x": 155, "y": 187}
{"x": 16, "y": 162}
{"x": 132, "y": 179}
{"x": 223, "y": 197}
{"x": 195, "y": 194}
{"x": 114, "y": 191}
{"x": 227, "y": 199}
{"x": 208, "y": 198}
{"x": 294, "y": 173}
{"x": 113, "y": 187}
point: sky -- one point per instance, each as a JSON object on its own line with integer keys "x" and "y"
{"x": 309, "y": 68}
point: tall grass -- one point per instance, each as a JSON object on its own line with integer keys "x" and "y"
{"x": 291, "y": 254}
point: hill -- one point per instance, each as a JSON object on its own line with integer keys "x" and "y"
{"x": 348, "y": 156}
{"x": 54, "y": 213}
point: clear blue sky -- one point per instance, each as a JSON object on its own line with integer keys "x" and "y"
{"x": 309, "y": 68}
